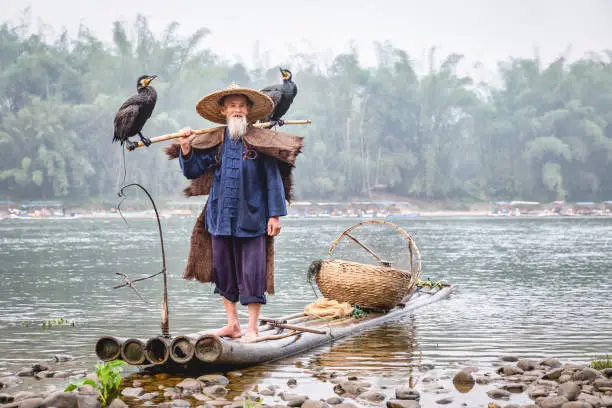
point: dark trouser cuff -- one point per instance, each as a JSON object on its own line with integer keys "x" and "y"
{"x": 232, "y": 297}
{"x": 246, "y": 299}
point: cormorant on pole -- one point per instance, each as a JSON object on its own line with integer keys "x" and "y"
{"x": 282, "y": 95}
{"x": 134, "y": 113}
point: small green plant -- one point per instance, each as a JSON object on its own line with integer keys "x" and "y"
{"x": 249, "y": 403}
{"x": 109, "y": 379}
{"x": 47, "y": 324}
{"x": 602, "y": 363}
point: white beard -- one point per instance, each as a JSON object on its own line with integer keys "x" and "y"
{"x": 237, "y": 127}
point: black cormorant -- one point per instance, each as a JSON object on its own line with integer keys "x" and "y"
{"x": 134, "y": 112}
{"x": 282, "y": 95}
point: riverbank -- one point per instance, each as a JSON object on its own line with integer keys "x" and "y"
{"x": 510, "y": 382}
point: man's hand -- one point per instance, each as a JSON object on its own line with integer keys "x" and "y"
{"x": 274, "y": 226}
{"x": 186, "y": 140}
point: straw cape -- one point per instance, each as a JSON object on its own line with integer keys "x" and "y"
{"x": 209, "y": 106}
{"x": 282, "y": 146}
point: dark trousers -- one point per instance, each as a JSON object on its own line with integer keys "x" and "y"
{"x": 239, "y": 268}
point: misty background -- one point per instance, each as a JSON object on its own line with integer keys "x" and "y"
{"x": 471, "y": 101}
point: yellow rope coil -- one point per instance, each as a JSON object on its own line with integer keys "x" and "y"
{"x": 323, "y": 307}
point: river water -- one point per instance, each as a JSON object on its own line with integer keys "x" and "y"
{"x": 528, "y": 287}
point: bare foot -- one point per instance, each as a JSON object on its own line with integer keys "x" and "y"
{"x": 250, "y": 336}
{"x": 232, "y": 332}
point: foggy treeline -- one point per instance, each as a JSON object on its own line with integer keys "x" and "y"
{"x": 544, "y": 132}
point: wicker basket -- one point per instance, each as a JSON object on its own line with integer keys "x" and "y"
{"x": 377, "y": 287}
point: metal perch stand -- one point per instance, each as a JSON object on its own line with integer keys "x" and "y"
{"x": 130, "y": 283}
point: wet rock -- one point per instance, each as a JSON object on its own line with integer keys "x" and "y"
{"x": 267, "y": 392}
{"x": 569, "y": 390}
{"x": 70, "y": 400}
{"x": 527, "y": 365}
{"x": 62, "y": 358}
{"x": 552, "y": 402}
{"x": 586, "y": 374}
{"x": 350, "y": 387}
{"x": 314, "y": 404}
{"x": 170, "y": 393}
{"x": 234, "y": 374}
{"x": 576, "y": 404}
{"x": 297, "y": 402}
{"x": 6, "y": 398}
{"x": 215, "y": 390}
{"x": 61, "y": 374}
{"x": 346, "y": 405}
{"x": 23, "y": 395}
{"x": 201, "y": 397}
{"x": 551, "y": 363}
{"x": 189, "y": 385}
{"x": 509, "y": 370}
{"x": 498, "y": 394}
{"x": 213, "y": 379}
{"x": 292, "y": 383}
{"x": 27, "y": 403}
{"x": 464, "y": 376}
{"x": 132, "y": 392}
{"x": 601, "y": 383}
{"x": 373, "y": 396}
{"x": 178, "y": 403}
{"x": 353, "y": 378}
{"x": 482, "y": 380}
{"x": 403, "y": 404}
{"x": 148, "y": 396}
{"x": 407, "y": 393}
{"x": 537, "y": 392}
{"x": 61, "y": 400}
{"x": 118, "y": 403}
{"x": 553, "y": 374}
{"x": 445, "y": 401}
{"x": 218, "y": 403}
{"x": 515, "y": 388}
{"x": 607, "y": 372}
{"x": 38, "y": 367}
{"x": 547, "y": 383}
{"x": 334, "y": 400}
{"x": 509, "y": 359}
{"x": 572, "y": 367}
{"x": 286, "y": 396}
{"x": 588, "y": 389}
{"x": 26, "y": 372}
{"x": 427, "y": 380}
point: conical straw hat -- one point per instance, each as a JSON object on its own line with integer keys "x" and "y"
{"x": 209, "y": 107}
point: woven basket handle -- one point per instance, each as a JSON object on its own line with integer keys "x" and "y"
{"x": 412, "y": 248}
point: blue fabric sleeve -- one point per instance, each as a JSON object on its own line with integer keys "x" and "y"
{"x": 196, "y": 162}
{"x": 277, "y": 207}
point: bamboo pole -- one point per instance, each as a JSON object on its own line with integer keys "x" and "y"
{"x": 171, "y": 136}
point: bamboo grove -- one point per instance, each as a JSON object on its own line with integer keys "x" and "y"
{"x": 543, "y": 132}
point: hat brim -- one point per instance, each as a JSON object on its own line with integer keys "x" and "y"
{"x": 209, "y": 106}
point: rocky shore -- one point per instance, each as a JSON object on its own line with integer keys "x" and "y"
{"x": 546, "y": 383}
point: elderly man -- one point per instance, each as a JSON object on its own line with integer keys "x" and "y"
{"x": 246, "y": 198}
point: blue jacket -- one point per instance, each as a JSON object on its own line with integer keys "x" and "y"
{"x": 244, "y": 194}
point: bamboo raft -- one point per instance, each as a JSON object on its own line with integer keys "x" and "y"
{"x": 278, "y": 338}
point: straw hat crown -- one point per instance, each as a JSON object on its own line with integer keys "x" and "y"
{"x": 209, "y": 107}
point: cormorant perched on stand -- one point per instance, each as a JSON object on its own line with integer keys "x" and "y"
{"x": 282, "y": 95}
{"x": 134, "y": 112}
